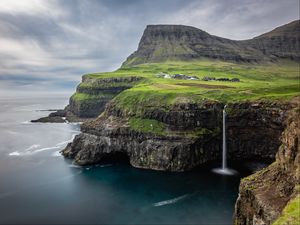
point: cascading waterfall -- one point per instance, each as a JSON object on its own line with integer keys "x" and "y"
{"x": 224, "y": 160}
{"x": 224, "y": 170}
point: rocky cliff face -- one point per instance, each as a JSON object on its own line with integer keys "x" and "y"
{"x": 191, "y": 135}
{"x": 264, "y": 194}
{"x": 90, "y": 98}
{"x": 177, "y": 42}
{"x": 282, "y": 42}
{"x": 92, "y": 94}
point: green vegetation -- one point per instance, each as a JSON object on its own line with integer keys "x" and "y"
{"x": 159, "y": 128}
{"x": 83, "y": 97}
{"x": 271, "y": 81}
{"x": 147, "y": 126}
{"x": 290, "y": 214}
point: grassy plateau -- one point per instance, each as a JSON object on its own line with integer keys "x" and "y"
{"x": 272, "y": 81}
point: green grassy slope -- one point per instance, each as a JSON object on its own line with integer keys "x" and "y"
{"x": 272, "y": 81}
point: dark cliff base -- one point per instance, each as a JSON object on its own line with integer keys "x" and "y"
{"x": 264, "y": 195}
{"x": 190, "y": 135}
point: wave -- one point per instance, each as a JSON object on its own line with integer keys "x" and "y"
{"x": 33, "y": 148}
{"x": 67, "y": 141}
{"x": 171, "y": 201}
{"x": 45, "y": 149}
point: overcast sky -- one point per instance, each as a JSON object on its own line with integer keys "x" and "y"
{"x": 48, "y": 41}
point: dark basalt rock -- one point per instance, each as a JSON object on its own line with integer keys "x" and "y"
{"x": 263, "y": 195}
{"x": 248, "y": 123}
{"x": 144, "y": 150}
{"x": 54, "y": 117}
{"x": 49, "y": 119}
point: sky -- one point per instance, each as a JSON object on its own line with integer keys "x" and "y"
{"x": 51, "y": 43}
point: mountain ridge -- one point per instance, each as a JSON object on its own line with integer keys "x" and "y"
{"x": 180, "y": 42}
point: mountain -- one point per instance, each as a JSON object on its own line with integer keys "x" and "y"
{"x": 178, "y": 42}
{"x": 282, "y": 42}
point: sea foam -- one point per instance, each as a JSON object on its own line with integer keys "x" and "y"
{"x": 170, "y": 201}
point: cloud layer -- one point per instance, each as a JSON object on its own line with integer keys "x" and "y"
{"x": 57, "y": 41}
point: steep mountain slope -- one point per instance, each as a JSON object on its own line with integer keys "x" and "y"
{"x": 282, "y": 42}
{"x": 177, "y": 42}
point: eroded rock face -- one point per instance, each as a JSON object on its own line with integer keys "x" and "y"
{"x": 144, "y": 150}
{"x": 165, "y": 42}
{"x": 93, "y": 94}
{"x": 181, "y": 148}
{"x": 254, "y": 130}
{"x": 90, "y": 99}
{"x": 263, "y": 195}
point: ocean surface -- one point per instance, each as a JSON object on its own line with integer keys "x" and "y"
{"x": 39, "y": 186}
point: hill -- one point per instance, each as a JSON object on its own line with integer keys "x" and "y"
{"x": 176, "y": 42}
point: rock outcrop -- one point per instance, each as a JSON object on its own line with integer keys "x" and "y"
{"x": 90, "y": 99}
{"x": 177, "y": 42}
{"x": 263, "y": 195}
{"x": 191, "y": 135}
{"x": 92, "y": 94}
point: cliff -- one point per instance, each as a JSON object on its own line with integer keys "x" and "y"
{"x": 186, "y": 136}
{"x": 264, "y": 195}
{"x": 177, "y": 42}
{"x": 92, "y": 94}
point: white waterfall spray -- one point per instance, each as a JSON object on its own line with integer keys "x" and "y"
{"x": 224, "y": 170}
{"x": 224, "y": 154}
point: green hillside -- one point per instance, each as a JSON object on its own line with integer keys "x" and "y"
{"x": 269, "y": 82}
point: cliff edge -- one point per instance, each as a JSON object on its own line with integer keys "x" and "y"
{"x": 264, "y": 195}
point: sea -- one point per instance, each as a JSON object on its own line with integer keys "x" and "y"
{"x": 39, "y": 186}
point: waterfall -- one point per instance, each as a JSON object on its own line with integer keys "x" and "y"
{"x": 224, "y": 170}
{"x": 224, "y": 161}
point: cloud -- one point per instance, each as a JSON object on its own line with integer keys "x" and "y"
{"x": 235, "y": 19}
{"x": 48, "y": 40}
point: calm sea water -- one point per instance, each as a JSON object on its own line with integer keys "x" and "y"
{"x": 38, "y": 186}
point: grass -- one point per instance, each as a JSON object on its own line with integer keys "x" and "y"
{"x": 83, "y": 97}
{"x": 147, "y": 126}
{"x": 273, "y": 81}
{"x": 290, "y": 214}
{"x": 159, "y": 128}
